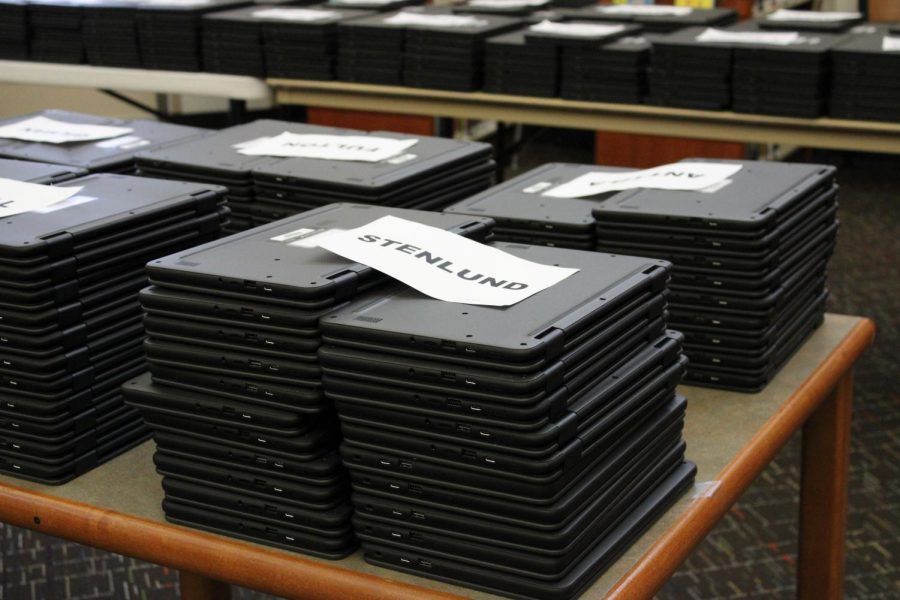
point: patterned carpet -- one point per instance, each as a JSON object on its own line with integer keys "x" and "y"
{"x": 752, "y": 553}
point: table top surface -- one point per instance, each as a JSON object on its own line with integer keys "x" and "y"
{"x": 719, "y": 426}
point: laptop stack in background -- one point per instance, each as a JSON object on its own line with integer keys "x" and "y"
{"x": 115, "y": 155}
{"x": 864, "y": 83}
{"x": 246, "y": 440}
{"x": 56, "y": 31}
{"x": 370, "y": 51}
{"x": 169, "y": 32}
{"x": 513, "y": 66}
{"x": 750, "y": 260}
{"x": 652, "y": 18}
{"x": 516, "y": 450}
{"x": 232, "y": 42}
{"x": 688, "y": 73}
{"x": 110, "y": 34}
{"x": 615, "y": 72}
{"x": 14, "y": 30}
{"x": 523, "y": 215}
{"x": 70, "y": 332}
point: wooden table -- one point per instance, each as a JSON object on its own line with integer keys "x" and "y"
{"x": 730, "y": 436}
{"x": 835, "y": 134}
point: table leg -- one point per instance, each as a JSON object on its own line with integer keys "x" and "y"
{"x": 198, "y": 587}
{"x": 823, "y": 496}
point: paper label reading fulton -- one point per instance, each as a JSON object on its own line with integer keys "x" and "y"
{"x": 411, "y": 18}
{"x": 360, "y": 148}
{"x": 443, "y": 265}
{"x": 689, "y": 176}
{"x": 577, "y": 29}
{"x": 302, "y": 15}
{"x": 891, "y": 43}
{"x": 646, "y": 10}
{"x": 812, "y": 16}
{"x": 507, "y": 3}
{"x": 18, "y": 197}
{"x": 51, "y": 131}
{"x": 771, "y": 38}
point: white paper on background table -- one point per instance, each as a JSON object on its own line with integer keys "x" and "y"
{"x": 412, "y": 18}
{"x": 362, "y": 2}
{"x": 891, "y": 43}
{"x": 441, "y": 264}
{"x": 646, "y": 10}
{"x": 17, "y": 197}
{"x": 506, "y": 3}
{"x": 301, "y": 15}
{"x": 684, "y": 176}
{"x": 576, "y": 29}
{"x": 358, "y": 148}
{"x": 51, "y": 131}
{"x": 771, "y": 38}
{"x": 812, "y": 16}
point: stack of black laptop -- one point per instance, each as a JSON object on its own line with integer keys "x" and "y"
{"x": 169, "y": 32}
{"x": 109, "y": 155}
{"x": 864, "y": 83}
{"x": 507, "y": 8}
{"x": 71, "y": 332}
{"x": 811, "y": 21}
{"x": 13, "y": 30}
{"x": 56, "y": 30}
{"x": 215, "y": 159}
{"x": 246, "y": 440}
{"x": 429, "y": 175}
{"x": 302, "y": 43}
{"x": 598, "y": 61}
{"x": 513, "y": 66}
{"x": 750, "y": 258}
{"x": 520, "y": 449}
{"x": 110, "y": 34}
{"x": 790, "y": 80}
{"x": 232, "y": 42}
{"x": 449, "y": 55}
{"x": 370, "y": 51}
{"x": 375, "y": 5}
{"x": 524, "y": 215}
{"x": 689, "y": 73}
{"x": 654, "y": 19}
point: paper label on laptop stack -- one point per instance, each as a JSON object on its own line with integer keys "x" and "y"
{"x": 411, "y": 18}
{"x": 441, "y": 264}
{"x": 301, "y": 15}
{"x": 812, "y": 16}
{"x": 576, "y": 29}
{"x": 891, "y": 43}
{"x": 684, "y": 176}
{"x": 771, "y": 38}
{"x": 18, "y": 197}
{"x": 650, "y": 10}
{"x": 359, "y": 148}
{"x": 51, "y": 131}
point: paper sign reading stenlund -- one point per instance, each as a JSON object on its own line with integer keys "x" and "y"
{"x": 51, "y": 131}
{"x": 360, "y": 148}
{"x": 18, "y": 197}
{"x": 443, "y": 265}
{"x": 685, "y": 176}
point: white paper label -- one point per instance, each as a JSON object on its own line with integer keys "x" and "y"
{"x": 303, "y": 15}
{"x": 360, "y": 148}
{"x": 360, "y": 2}
{"x": 507, "y": 3}
{"x": 772, "y": 38}
{"x": 540, "y": 186}
{"x": 411, "y": 18}
{"x": 891, "y": 43}
{"x": 443, "y": 265}
{"x": 577, "y": 29}
{"x": 403, "y": 158}
{"x": 18, "y": 197}
{"x": 690, "y": 176}
{"x": 51, "y": 131}
{"x": 646, "y": 10}
{"x": 812, "y": 16}
{"x": 126, "y": 142}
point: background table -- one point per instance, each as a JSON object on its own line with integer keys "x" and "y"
{"x": 730, "y": 436}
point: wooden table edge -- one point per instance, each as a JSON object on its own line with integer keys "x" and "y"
{"x": 664, "y": 557}
{"x": 292, "y": 576}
